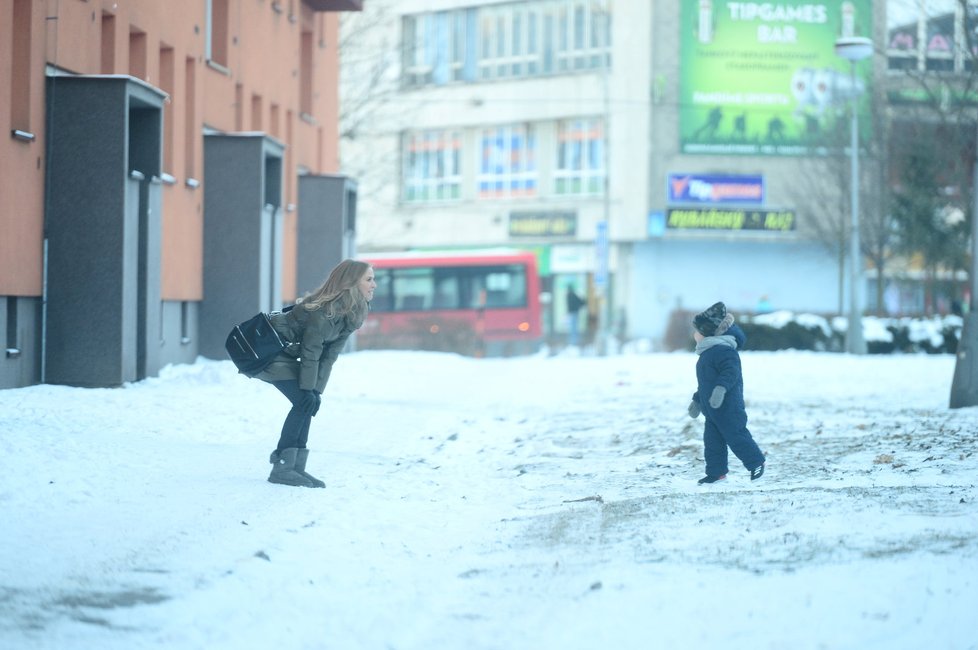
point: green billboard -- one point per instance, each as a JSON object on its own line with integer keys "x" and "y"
{"x": 763, "y": 78}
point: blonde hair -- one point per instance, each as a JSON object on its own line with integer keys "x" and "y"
{"x": 340, "y": 293}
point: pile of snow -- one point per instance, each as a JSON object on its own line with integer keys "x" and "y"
{"x": 896, "y": 334}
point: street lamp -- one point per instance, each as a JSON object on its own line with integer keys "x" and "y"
{"x": 855, "y": 49}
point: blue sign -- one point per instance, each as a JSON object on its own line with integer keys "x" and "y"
{"x": 656, "y": 223}
{"x": 716, "y": 189}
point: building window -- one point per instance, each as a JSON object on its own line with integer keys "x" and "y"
{"x": 13, "y": 346}
{"x": 216, "y": 34}
{"x": 107, "y": 53}
{"x": 137, "y": 53}
{"x": 305, "y": 72}
{"x": 190, "y": 117}
{"x": 273, "y": 126}
{"x": 167, "y": 85}
{"x": 930, "y": 36}
{"x": 432, "y": 166}
{"x": 184, "y": 322}
{"x": 256, "y": 113}
{"x": 507, "y": 162}
{"x": 580, "y": 168}
{"x": 20, "y": 78}
{"x": 506, "y": 41}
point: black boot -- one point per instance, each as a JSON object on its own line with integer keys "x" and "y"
{"x": 300, "y": 466}
{"x": 283, "y": 469}
{"x": 711, "y": 479}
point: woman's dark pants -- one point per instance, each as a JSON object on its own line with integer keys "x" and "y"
{"x": 295, "y": 431}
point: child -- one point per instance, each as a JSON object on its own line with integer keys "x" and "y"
{"x": 720, "y": 395}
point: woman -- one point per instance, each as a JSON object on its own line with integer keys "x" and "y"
{"x": 318, "y": 327}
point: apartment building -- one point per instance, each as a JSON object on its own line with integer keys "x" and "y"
{"x": 169, "y": 169}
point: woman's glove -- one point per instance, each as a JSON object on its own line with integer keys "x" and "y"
{"x": 716, "y": 399}
{"x": 308, "y": 402}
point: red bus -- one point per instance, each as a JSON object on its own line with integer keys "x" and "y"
{"x": 478, "y": 303}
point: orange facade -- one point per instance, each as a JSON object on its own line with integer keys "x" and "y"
{"x": 226, "y": 65}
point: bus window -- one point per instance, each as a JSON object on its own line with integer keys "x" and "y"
{"x": 496, "y": 286}
{"x": 383, "y": 294}
{"x": 446, "y": 289}
{"x": 413, "y": 289}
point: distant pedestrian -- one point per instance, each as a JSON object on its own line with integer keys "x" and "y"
{"x": 318, "y": 326}
{"x": 574, "y": 305}
{"x": 764, "y": 305}
{"x": 719, "y": 395}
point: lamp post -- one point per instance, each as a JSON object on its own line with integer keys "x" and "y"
{"x": 854, "y": 49}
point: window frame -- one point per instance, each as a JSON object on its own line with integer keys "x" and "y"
{"x": 426, "y": 150}
{"x": 496, "y": 149}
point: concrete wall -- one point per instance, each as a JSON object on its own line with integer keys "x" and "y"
{"x": 238, "y": 235}
{"x": 104, "y": 234}
{"x": 20, "y": 363}
{"x": 327, "y": 228}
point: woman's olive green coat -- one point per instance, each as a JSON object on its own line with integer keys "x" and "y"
{"x": 316, "y": 342}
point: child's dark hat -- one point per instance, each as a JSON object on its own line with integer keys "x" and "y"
{"x": 708, "y": 322}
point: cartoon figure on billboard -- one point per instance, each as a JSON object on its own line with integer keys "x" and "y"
{"x": 820, "y": 93}
{"x": 775, "y": 129}
{"x": 712, "y": 123}
{"x": 740, "y": 127}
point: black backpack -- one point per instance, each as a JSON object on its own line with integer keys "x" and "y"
{"x": 253, "y": 344}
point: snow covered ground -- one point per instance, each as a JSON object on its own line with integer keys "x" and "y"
{"x": 538, "y": 503}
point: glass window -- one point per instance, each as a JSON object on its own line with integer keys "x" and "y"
{"x": 413, "y": 289}
{"x": 485, "y": 39}
{"x": 446, "y": 290}
{"x": 939, "y": 35}
{"x": 970, "y": 25}
{"x": 512, "y": 40}
{"x": 384, "y": 293}
{"x": 460, "y": 39}
{"x": 416, "y": 71}
{"x": 928, "y": 35}
{"x": 580, "y": 168}
{"x": 438, "y": 288}
{"x": 493, "y": 287}
{"x": 432, "y": 166}
{"x": 507, "y": 163}
{"x": 532, "y": 47}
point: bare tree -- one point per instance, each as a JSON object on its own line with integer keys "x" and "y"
{"x": 824, "y": 191}
{"x": 932, "y": 150}
{"x": 372, "y": 112}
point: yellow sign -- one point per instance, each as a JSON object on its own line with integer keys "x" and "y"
{"x": 730, "y": 219}
{"x": 542, "y": 224}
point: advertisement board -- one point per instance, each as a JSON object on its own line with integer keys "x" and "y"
{"x": 542, "y": 224}
{"x": 733, "y": 219}
{"x": 715, "y": 189}
{"x": 763, "y": 78}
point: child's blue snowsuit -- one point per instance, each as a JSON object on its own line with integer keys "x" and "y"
{"x": 726, "y": 426}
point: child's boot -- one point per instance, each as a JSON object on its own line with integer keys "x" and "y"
{"x": 711, "y": 479}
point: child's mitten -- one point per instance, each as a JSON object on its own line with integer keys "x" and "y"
{"x": 716, "y": 399}
{"x": 694, "y": 409}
